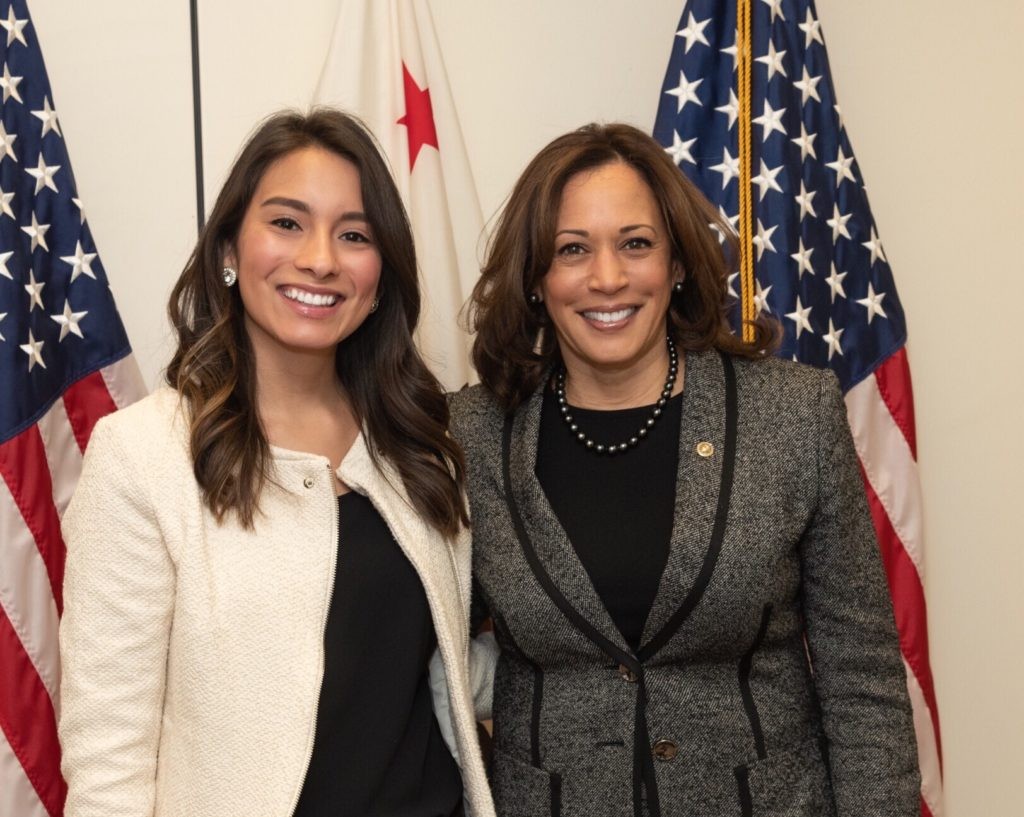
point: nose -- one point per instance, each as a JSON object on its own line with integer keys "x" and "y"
{"x": 316, "y": 254}
{"x": 607, "y": 273}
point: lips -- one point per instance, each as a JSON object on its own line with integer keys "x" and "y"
{"x": 310, "y": 298}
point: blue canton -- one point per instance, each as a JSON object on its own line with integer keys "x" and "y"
{"x": 58, "y": 321}
{"x": 819, "y": 264}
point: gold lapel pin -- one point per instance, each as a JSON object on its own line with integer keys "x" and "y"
{"x": 705, "y": 449}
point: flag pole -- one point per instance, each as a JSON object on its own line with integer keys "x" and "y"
{"x": 746, "y": 227}
{"x": 197, "y": 114}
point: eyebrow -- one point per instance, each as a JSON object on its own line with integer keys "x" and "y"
{"x": 627, "y": 229}
{"x": 630, "y": 227}
{"x": 302, "y": 207}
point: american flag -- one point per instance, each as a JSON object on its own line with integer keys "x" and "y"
{"x": 64, "y": 363}
{"x": 818, "y": 265}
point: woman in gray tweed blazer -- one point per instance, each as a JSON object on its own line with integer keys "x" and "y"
{"x": 670, "y": 532}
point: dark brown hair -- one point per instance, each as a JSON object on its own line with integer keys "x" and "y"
{"x": 393, "y": 394}
{"x": 506, "y": 352}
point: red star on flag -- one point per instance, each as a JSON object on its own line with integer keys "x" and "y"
{"x": 419, "y": 117}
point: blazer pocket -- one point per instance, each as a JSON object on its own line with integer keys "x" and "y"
{"x": 792, "y": 783}
{"x": 522, "y": 790}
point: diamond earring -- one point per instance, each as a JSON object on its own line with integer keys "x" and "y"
{"x": 229, "y": 275}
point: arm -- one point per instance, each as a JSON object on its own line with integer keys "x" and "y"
{"x": 118, "y": 600}
{"x": 483, "y": 655}
{"x": 851, "y": 634}
{"x": 483, "y": 662}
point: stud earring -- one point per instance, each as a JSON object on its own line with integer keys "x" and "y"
{"x": 533, "y": 299}
{"x": 677, "y": 287}
{"x": 229, "y": 275}
{"x": 374, "y": 305}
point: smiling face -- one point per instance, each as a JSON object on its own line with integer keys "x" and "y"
{"x": 308, "y": 266}
{"x": 608, "y": 288}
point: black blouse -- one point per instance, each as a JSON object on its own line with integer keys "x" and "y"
{"x": 616, "y": 510}
{"x": 378, "y": 748}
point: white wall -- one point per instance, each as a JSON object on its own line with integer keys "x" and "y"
{"x": 931, "y": 98}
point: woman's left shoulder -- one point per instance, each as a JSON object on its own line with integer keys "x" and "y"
{"x": 777, "y": 379}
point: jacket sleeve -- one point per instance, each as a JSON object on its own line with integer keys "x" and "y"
{"x": 119, "y": 586}
{"x": 858, "y": 670}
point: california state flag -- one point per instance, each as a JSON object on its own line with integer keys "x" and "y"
{"x": 385, "y": 66}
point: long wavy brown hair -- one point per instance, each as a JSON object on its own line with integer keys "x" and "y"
{"x": 511, "y": 352}
{"x": 399, "y": 402}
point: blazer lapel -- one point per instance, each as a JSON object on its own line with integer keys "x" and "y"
{"x": 698, "y": 483}
{"x": 544, "y": 532}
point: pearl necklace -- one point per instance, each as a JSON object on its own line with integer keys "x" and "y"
{"x": 632, "y": 442}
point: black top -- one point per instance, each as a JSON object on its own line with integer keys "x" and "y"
{"x": 616, "y": 510}
{"x": 378, "y": 749}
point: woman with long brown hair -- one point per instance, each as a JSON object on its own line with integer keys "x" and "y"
{"x": 264, "y": 555}
{"x": 669, "y": 527}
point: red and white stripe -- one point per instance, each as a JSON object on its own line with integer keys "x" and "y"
{"x": 38, "y": 471}
{"x": 881, "y": 413}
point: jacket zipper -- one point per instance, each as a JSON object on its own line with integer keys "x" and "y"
{"x": 323, "y": 635}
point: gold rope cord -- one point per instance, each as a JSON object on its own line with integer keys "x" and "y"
{"x": 746, "y": 226}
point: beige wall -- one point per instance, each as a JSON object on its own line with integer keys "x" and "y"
{"x": 931, "y": 98}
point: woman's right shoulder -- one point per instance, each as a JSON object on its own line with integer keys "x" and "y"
{"x": 475, "y": 413}
{"x": 475, "y": 401}
{"x": 150, "y": 424}
{"x": 132, "y": 456}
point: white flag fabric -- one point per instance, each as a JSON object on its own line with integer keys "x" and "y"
{"x": 385, "y": 66}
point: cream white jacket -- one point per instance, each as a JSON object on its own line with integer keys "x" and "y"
{"x": 193, "y": 652}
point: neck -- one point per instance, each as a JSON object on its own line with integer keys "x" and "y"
{"x": 638, "y": 384}
{"x": 281, "y": 391}
{"x": 292, "y": 382}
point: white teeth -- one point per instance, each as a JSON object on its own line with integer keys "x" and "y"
{"x": 309, "y": 298}
{"x": 610, "y": 317}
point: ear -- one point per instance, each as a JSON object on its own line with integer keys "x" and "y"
{"x": 678, "y": 273}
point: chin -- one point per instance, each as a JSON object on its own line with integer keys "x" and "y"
{"x": 608, "y": 360}
{"x": 308, "y": 342}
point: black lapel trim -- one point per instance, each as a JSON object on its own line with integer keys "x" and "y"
{"x": 540, "y": 572}
{"x": 661, "y": 638}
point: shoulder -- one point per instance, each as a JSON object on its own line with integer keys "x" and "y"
{"x": 161, "y": 410}
{"x": 156, "y": 425}
{"x": 473, "y": 401}
{"x": 775, "y": 372}
{"x": 132, "y": 456}
{"x": 475, "y": 414}
{"x": 783, "y": 383}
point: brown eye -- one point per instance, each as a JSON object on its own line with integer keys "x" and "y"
{"x": 573, "y": 248}
{"x": 355, "y": 236}
{"x": 285, "y": 223}
{"x": 637, "y": 243}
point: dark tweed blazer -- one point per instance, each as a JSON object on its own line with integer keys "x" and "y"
{"x": 769, "y": 679}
